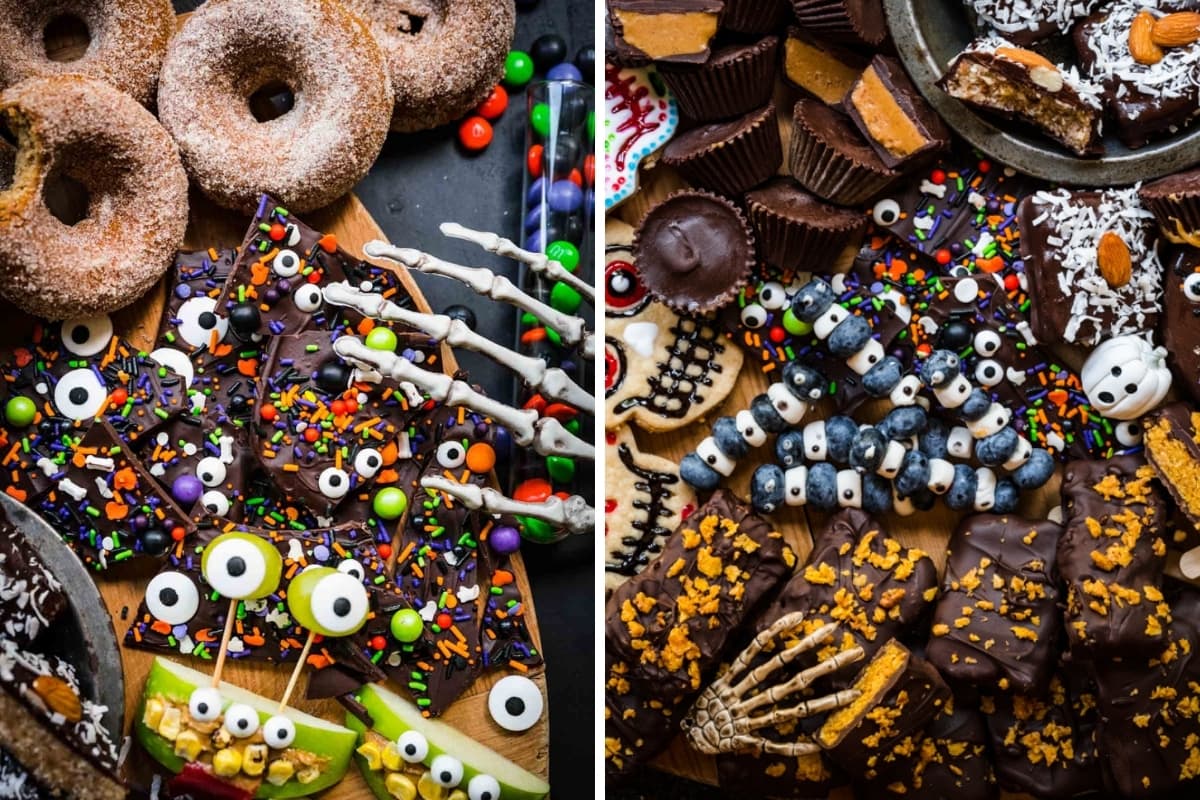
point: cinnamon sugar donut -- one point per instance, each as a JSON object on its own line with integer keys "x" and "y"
{"x": 444, "y": 55}
{"x": 309, "y": 156}
{"x": 85, "y": 130}
{"x": 128, "y": 39}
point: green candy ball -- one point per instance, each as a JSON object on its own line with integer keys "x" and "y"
{"x": 407, "y": 625}
{"x": 792, "y": 324}
{"x": 565, "y": 299}
{"x": 389, "y": 503}
{"x": 20, "y": 411}
{"x": 381, "y": 338}
{"x": 518, "y": 68}
{"x": 591, "y": 124}
{"x": 535, "y": 530}
{"x": 564, "y": 253}
{"x": 539, "y": 118}
{"x": 560, "y": 469}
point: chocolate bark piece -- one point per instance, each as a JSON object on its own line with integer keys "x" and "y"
{"x": 893, "y": 116}
{"x": 189, "y": 322}
{"x": 831, "y": 159}
{"x": 18, "y": 782}
{"x": 504, "y": 633}
{"x": 794, "y": 229}
{"x": 663, "y": 30}
{"x": 693, "y": 250}
{"x": 1027, "y": 21}
{"x": 637, "y": 724}
{"x": 1111, "y": 557}
{"x": 1180, "y": 326}
{"x": 1173, "y": 449}
{"x": 1148, "y": 101}
{"x": 192, "y": 448}
{"x": 106, "y": 506}
{"x": 52, "y": 728}
{"x": 819, "y": 67}
{"x": 31, "y": 597}
{"x": 728, "y": 157}
{"x": 901, "y": 693}
{"x": 994, "y": 76}
{"x": 997, "y": 620}
{"x": 673, "y": 622}
{"x": 1074, "y": 298}
{"x": 858, "y": 22}
{"x": 1046, "y": 744}
{"x": 770, "y": 775}
{"x": 734, "y": 80}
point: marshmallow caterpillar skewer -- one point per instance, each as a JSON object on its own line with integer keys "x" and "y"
{"x": 572, "y": 514}
{"x": 550, "y": 381}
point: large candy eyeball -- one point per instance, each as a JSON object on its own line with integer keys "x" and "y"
{"x": 334, "y": 483}
{"x": 754, "y": 316}
{"x": 215, "y": 503}
{"x": 368, "y": 462}
{"x": 197, "y": 321}
{"x": 987, "y": 343}
{"x": 328, "y": 602}
{"x": 413, "y": 747}
{"x": 79, "y": 395}
{"x": 451, "y": 455}
{"x": 211, "y": 471}
{"x": 241, "y": 720}
{"x": 172, "y": 597}
{"x": 286, "y": 263}
{"x": 772, "y": 296}
{"x": 988, "y": 372}
{"x": 242, "y": 566}
{"x": 279, "y": 732}
{"x": 1191, "y": 287}
{"x": 205, "y": 704}
{"x": 886, "y": 212}
{"x": 352, "y": 567}
{"x": 87, "y": 336}
{"x": 308, "y": 297}
{"x": 446, "y": 771}
{"x": 483, "y": 787}
{"x": 515, "y": 703}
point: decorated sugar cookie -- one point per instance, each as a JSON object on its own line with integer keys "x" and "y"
{"x": 640, "y": 117}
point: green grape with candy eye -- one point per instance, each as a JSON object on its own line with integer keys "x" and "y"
{"x": 241, "y": 566}
{"x": 327, "y": 601}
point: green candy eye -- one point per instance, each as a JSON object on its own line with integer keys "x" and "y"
{"x": 241, "y": 566}
{"x": 328, "y": 602}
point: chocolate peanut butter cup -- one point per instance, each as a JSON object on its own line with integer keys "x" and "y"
{"x": 754, "y": 16}
{"x": 893, "y": 116}
{"x": 853, "y": 21}
{"x": 651, "y": 30}
{"x": 1175, "y": 203}
{"x": 793, "y": 228}
{"x": 733, "y": 81}
{"x": 693, "y": 251}
{"x": 820, "y": 68}
{"x": 729, "y": 157}
{"x": 831, "y": 159}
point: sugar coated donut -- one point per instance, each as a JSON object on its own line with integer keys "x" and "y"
{"x": 444, "y": 55}
{"x": 316, "y": 151}
{"x": 127, "y": 40}
{"x": 80, "y": 129}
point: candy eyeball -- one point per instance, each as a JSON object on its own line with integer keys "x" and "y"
{"x": 241, "y": 566}
{"x": 333, "y": 483}
{"x": 279, "y": 732}
{"x": 754, "y": 316}
{"x": 172, "y": 597}
{"x": 515, "y": 703}
{"x": 205, "y": 704}
{"x": 987, "y": 343}
{"x": 368, "y": 462}
{"x": 87, "y": 336}
{"x": 328, "y": 602}
{"x": 772, "y": 296}
{"x": 211, "y": 471}
{"x": 483, "y": 787}
{"x": 446, "y": 771}
{"x": 1129, "y": 434}
{"x": 215, "y": 503}
{"x": 308, "y": 297}
{"x": 413, "y": 747}
{"x": 451, "y": 455}
{"x": 286, "y": 264}
{"x": 886, "y": 212}
{"x": 241, "y": 720}
{"x": 988, "y": 372}
{"x": 352, "y": 567}
{"x": 79, "y": 395}
{"x": 624, "y": 293}
{"x": 197, "y": 319}
{"x": 1191, "y": 287}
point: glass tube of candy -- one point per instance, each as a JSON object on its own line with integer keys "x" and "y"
{"x": 558, "y": 219}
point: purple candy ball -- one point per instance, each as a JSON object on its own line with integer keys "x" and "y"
{"x": 187, "y": 489}
{"x": 505, "y": 540}
{"x": 564, "y": 197}
{"x": 566, "y": 71}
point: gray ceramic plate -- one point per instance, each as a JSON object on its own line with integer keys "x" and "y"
{"x": 929, "y": 33}
{"x": 84, "y": 635}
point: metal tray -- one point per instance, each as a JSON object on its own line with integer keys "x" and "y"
{"x": 929, "y": 33}
{"x": 83, "y": 635}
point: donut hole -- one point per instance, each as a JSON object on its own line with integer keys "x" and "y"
{"x": 410, "y": 23}
{"x": 66, "y": 38}
{"x": 66, "y": 198}
{"x": 271, "y": 101}
{"x": 8, "y": 156}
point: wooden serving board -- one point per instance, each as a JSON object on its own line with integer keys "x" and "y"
{"x": 349, "y": 221}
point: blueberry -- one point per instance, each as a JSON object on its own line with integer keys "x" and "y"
{"x": 940, "y": 368}
{"x": 994, "y": 450}
{"x": 839, "y": 435}
{"x": 978, "y": 403}
{"x": 933, "y": 441}
{"x": 882, "y": 378}
{"x": 697, "y": 474}
{"x": 904, "y": 422}
{"x": 812, "y": 300}
{"x": 850, "y": 336}
{"x": 876, "y": 494}
{"x": 821, "y": 486}
{"x": 804, "y": 381}
{"x": 867, "y": 450}
{"x": 765, "y": 415}
{"x": 766, "y": 488}
{"x": 729, "y": 438}
{"x": 1034, "y": 472}
{"x": 914, "y": 473}
{"x": 1007, "y": 496}
{"x": 923, "y": 500}
{"x": 789, "y": 448}
{"x": 961, "y": 496}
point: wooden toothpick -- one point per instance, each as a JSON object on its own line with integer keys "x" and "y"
{"x": 225, "y": 637}
{"x": 287, "y": 693}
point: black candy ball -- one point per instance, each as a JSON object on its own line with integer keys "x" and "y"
{"x": 955, "y": 335}
{"x": 575, "y": 108}
{"x": 566, "y": 155}
{"x": 245, "y": 319}
{"x": 585, "y": 61}
{"x": 466, "y": 315}
{"x": 155, "y": 541}
{"x": 333, "y": 376}
{"x": 548, "y": 50}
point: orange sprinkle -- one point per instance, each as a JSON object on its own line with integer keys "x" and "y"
{"x": 518, "y": 666}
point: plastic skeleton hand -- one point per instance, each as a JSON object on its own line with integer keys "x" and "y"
{"x": 544, "y": 435}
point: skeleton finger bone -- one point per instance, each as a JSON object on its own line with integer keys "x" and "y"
{"x": 487, "y": 283}
{"x": 552, "y": 382}
{"x": 573, "y": 514}
{"x": 539, "y": 263}
{"x": 757, "y": 676}
{"x": 547, "y": 436}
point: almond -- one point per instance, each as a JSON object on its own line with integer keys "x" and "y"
{"x": 1141, "y": 39}
{"x": 1027, "y": 57}
{"x": 1176, "y": 30}
{"x": 58, "y": 696}
{"x": 1113, "y": 260}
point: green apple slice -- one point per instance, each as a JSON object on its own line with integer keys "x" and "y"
{"x": 176, "y": 682}
{"x": 393, "y": 715}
